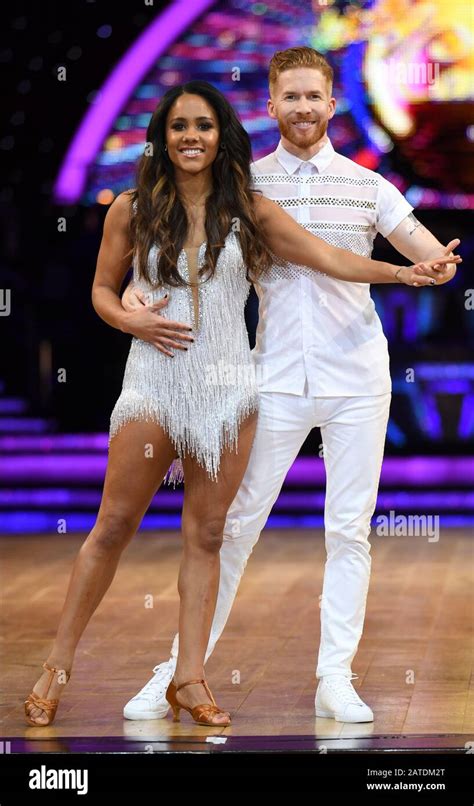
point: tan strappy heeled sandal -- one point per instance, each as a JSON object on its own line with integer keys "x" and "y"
{"x": 48, "y": 706}
{"x": 202, "y": 714}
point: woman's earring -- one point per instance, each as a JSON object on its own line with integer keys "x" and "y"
{"x": 166, "y": 148}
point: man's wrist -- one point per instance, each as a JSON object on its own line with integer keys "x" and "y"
{"x": 441, "y": 252}
{"x": 124, "y": 321}
{"x": 447, "y": 268}
{"x": 438, "y": 252}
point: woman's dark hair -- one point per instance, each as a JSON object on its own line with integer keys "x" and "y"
{"x": 160, "y": 216}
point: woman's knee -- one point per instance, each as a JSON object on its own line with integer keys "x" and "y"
{"x": 112, "y": 531}
{"x": 204, "y": 533}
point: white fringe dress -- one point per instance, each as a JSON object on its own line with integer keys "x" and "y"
{"x": 200, "y": 396}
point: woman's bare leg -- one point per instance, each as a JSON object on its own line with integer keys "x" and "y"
{"x": 204, "y": 513}
{"x": 131, "y": 481}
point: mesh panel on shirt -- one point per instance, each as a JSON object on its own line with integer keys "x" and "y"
{"x": 355, "y": 238}
{"x": 311, "y": 179}
{"x": 326, "y": 201}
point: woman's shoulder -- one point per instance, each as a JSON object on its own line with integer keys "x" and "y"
{"x": 125, "y": 199}
{"x": 128, "y": 198}
{"x": 123, "y": 205}
{"x": 119, "y": 212}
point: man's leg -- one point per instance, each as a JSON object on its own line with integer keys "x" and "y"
{"x": 284, "y": 422}
{"x": 353, "y": 432}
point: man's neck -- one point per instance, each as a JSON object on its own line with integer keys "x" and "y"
{"x": 304, "y": 153}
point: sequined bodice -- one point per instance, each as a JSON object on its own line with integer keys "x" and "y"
{"x": 228, "y": 285}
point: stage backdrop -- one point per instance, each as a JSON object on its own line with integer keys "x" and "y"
{"x": 403, "y": 83}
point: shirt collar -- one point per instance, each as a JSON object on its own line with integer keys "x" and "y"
{"x": 291, "y": 163}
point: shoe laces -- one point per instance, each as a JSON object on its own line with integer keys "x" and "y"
{"x": 159, "y": 680}
{"x": 343, "y": 688}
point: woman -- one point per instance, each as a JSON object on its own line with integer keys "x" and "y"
{"x": 184, "y": 415}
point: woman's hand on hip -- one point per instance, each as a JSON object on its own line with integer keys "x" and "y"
{"x": 146, "y": 323}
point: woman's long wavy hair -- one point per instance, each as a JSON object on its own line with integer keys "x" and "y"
{"x": 160, "y": 216}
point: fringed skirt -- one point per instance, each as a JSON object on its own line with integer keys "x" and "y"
{"x": 200, "y": 407}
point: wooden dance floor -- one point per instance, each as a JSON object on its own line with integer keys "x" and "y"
{"x": 415, "y": 661}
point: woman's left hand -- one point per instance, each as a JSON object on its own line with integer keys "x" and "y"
{"x": 429, "y": 272}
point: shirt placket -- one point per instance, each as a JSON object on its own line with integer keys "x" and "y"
{"x": 307, "y": 313}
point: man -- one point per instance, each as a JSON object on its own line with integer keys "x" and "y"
{"x": 321, "y": 360}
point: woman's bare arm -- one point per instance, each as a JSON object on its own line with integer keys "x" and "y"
{"x": 145, "y": 322}
{"x": 113, "y": 262}
{"x": 290, "y": 241}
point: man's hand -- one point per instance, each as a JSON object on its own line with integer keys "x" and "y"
{"x": 146, "y": 323}
{"x": 448, "y": 270}
{"x": 429, "y": 272}
{"x": 417, "y": 243}
{"x": 133, "y": 298}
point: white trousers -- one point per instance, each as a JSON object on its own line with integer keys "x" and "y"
{"x": 353, "y": 432}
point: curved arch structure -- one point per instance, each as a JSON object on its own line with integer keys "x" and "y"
{"x": 230, "y": 43}
{"x": 121, "y": 82}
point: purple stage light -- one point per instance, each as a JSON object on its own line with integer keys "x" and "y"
{"x": 402, "y": 501}
{"x": 433, "y": 371}
{"x": 40, "y": 523}
{"x": 87, "y": 468}
{"x": 417, "y": 471}
{"x": 24, "y": 424}
{"x": 50, "y": 443}
{"x": 47, "y": 522}
{"x": 74, "y": 498}
{"x": 138, "y": 60}
{"x": 466, "y": 419}
{"x": 12, "y": 405}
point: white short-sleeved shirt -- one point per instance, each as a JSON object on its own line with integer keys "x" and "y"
{"x": 317, "y": 335}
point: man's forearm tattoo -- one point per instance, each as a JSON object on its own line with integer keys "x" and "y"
{"x": 414, "y": 223}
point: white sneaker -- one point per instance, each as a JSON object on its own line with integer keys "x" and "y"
{"x": 150, "y": 702}
{"x": 337, "y": 699}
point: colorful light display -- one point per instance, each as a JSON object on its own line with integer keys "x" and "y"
{"x": 403, "y": 88}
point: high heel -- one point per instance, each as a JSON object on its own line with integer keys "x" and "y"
{"x": 48, "y": 706}
{"x": 200, "y": 713}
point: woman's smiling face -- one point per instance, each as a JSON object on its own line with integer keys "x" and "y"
{"x": 192, "y": 134}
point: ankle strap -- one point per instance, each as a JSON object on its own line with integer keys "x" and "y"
{"x": 54, "y": 669}
{"x": 202, "y": 682}
{"x": 190, "y": 683}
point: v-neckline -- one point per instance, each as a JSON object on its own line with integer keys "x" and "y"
{"x": 185, "y": 248}
{"x": 195, "y": 302}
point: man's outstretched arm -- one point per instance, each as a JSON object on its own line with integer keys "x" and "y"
{"x": 415, "y": 242}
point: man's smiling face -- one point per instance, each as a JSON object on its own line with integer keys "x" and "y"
{"x": 301, "y": 101}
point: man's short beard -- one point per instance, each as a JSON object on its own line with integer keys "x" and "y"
{"x": 287, "y": 129}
